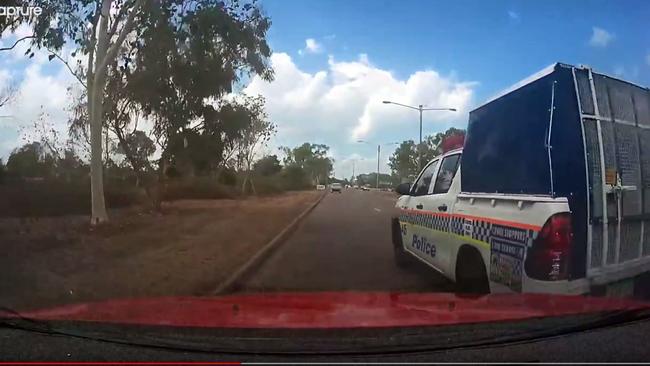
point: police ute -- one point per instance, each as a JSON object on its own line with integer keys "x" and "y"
{"x": 549, "y": 192}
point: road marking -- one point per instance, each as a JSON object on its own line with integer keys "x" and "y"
{"x": 378, "y": 210}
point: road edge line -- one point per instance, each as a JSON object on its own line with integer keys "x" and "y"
{"x": 232, "y": 282}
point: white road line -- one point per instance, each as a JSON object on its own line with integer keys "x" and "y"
{"x": 378, "y": 210}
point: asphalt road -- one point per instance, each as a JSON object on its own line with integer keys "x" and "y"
{"x": 343, "y": 244}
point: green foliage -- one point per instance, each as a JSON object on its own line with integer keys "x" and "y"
{"x": 139, "y": 146}
{"x": 34, "y": 161}
{"x": 228, "y": 177}
{"x": 56, "y": 197}
{"x": 295, "y": 178}
{"x": 385, "y": 180}
{"x": 70, "y": 167}
{"x": 404, "y": 160}
{"x": 268, "y": 185}
{"x": 171, "y": 172}
{"x": 31, "y": 161}
{"x": 175, "y": 66}
{"x": 186, "y": 56}
{"x": 312, "y": 159}
{"x": 267, "y": 165}
{"x": 3, "y": 172}
{"x": 257, "y": 133}
{"x": 197, "y": 188}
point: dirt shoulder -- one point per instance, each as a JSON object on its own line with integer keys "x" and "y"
{"x": 188, "y": 250}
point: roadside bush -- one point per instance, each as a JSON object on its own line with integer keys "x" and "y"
{"x": 294, "y": 178}
{"x": 228, "y": 177}
{"x": 2, "y": 172}
{"x": 266, "y": 185}
{"x": 57, "y": 197}
{"x": 122, "y": 195}
{"x": 289, "y": 179}
{"x": 197, "y": 188}
{"x": 172, "y": 172}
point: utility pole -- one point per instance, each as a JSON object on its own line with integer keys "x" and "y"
{"x": 420, "y": 144}
{"x": 378, "y": 156}
{"x": 420, "y": 108}
{"x": 378, "y": 151}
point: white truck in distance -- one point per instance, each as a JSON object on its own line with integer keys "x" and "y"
{"x": 550, "y": 192}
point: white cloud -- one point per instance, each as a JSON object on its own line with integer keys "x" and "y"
{"x": 18, "y": 53}
{"x": 600, "y": 37}
{"x": 41, "y": 89}
{"x": 336, "y": 105}
{"x": 513, "y": 15}
{"x": 311, "y": 46}
{"x": 343, "y": 103}
{"x": 5, "y": 79}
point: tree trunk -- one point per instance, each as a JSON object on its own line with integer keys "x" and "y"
{"x": 158, "y": 186}
{"x": 95, "y": 100}
{"x": 243, "y": 186}
{"x": 253, "y": 186}
{"x": 144, "y": 173}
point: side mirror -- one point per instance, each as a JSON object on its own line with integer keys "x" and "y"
{"x": 403, "y": 189}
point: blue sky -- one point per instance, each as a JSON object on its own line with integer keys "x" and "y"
{"x": 489, "y": 45}
{"x": 336, "y": 60}
{"x": 494, "y": 42}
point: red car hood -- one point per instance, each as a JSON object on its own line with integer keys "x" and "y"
{"x": 330, "y": 309}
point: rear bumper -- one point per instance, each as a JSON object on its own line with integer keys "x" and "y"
{"x": 593, "y": 286}
{"x": 574, "y": 287}
{"x": 618, "y": 272}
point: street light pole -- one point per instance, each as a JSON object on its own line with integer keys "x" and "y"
{"x": 420, "y": 144}
{"x": 378, "y": 151}
{"x": 420, "y": 108}
{"x": 378, "y": 156}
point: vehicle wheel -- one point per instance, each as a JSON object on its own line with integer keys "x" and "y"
{"x": 471, "y": 277}
{"x": 402, "y": 259}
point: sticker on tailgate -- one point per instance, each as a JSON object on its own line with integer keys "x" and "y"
{"x": 506, "y": 261}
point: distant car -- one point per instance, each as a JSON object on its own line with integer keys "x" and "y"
{"x": 336, "y": 187}
{"x": 364, "y": 188}
{"x": 320, "y": 187}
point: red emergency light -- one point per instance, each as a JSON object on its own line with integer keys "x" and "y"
{"x": 453, "y": 142}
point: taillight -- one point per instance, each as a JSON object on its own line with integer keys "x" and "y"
{"x": 548, "y": 259}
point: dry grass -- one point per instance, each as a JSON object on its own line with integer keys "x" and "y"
{"x": 187, "y": 250}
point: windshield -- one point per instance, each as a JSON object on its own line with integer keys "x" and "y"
{"x": 222, "y": 154}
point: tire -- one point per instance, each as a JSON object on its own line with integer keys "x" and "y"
{"x": 471, "y": 276}
{"x": 401, "y": 257}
